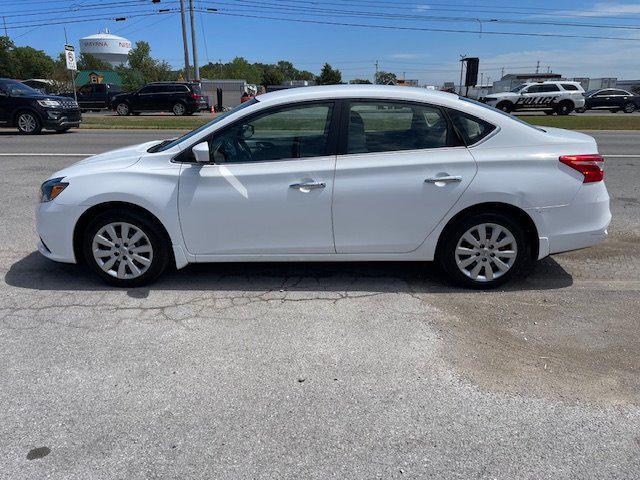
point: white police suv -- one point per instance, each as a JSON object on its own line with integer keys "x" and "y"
{"x": 561, "y": 97}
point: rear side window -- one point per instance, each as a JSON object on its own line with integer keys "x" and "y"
{"x": 472, "y": 129}
{"x": 394, "y": 126}
{"x": 543, "y": 88}
{"x": 570, "y": 86}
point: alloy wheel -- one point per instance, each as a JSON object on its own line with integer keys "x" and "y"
{"x": 27, "y": 123}
{"x": 122, "y": 109}
{"x": 486, "y": 252}
{"x": 178, "y": 109}
{"x": 122, "y": 250}
{"x": 629, "y": 108}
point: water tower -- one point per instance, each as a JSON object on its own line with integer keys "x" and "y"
{"x": 106, "y": 47}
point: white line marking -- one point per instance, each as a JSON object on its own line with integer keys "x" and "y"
{"x": 47, "y": 154}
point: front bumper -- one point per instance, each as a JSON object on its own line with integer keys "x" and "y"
{"x": 55, "y": 224}
{"x": 56, "y": 118}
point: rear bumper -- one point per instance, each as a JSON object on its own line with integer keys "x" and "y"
{"x": 581, "y": 224}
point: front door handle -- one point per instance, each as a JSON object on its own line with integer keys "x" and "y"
{"x": 307, "y": 186}
{"x": 446, "y": 179}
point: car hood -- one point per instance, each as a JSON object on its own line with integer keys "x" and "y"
{"x": 108, "y": 161}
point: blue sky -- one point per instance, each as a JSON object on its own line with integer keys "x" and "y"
{"x": 431, "y": 57}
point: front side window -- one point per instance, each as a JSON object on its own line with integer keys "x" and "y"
{"x": 603, "y": 93}
{"x": 17, "y": 89}
{"x": 286, "y": 133}
{"x": 392, "y": 126}
{"x": 85, "y": 88}
{"x": 472, "y": 129}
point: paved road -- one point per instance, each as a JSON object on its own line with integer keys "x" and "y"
{"x": 316, "y": 370}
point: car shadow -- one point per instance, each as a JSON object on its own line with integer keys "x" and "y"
{"x": 37, "y": 273}
{"x": 15, "y": 133}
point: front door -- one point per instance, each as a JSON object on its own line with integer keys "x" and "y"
{"x": 268, "y": 189}
{"x": 403, "y": 169}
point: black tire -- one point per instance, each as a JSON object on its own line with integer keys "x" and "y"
{"x": 565, "y": 107}
{"x": 629, "y": 107}
{"x": 28, "y": 123}
{"x": 506, "y": 107}
{"x": 123, "y": 109}
{"x": 446, "y": 255}
{"x": 155, "y": 234}
{"x": 549, "y": 112}
{"x": 179, "y": 109}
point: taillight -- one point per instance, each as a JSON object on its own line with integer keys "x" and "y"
{"x": 588, "y": 165}
{"x": 195, "y": 96}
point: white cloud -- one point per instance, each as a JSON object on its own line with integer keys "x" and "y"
{"x": 422, "y": 8}
{"x": 604, "y": 10}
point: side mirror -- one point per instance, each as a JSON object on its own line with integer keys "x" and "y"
{"x": 201, "y": 152}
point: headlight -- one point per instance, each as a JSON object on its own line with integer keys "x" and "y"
{"x": 49, "y": 103}
{"x": 51, "y": 189}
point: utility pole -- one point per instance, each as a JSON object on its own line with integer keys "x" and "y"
{"x": 502, "y": 74}
{"x": 375, "y": 79}
{"x": 538, "y": 66}
{"x": 194, "y": 43}
{"x": 184, "y": 42}
{"x": 462, "y": 60}
{"x": 481, "y": 79}
{"x": 4, "y": 20}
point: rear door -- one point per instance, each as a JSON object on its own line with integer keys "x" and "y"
{"x": 400, "y": 170}
{"x": 545, "y": 95}
{"x": 268, "y": 188}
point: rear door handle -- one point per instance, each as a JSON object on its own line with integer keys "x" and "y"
{"x": 446, "y": 179}
{"x": 307, "y": 186}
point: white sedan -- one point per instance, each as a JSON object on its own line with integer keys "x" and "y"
{"x": 336, "y": 173}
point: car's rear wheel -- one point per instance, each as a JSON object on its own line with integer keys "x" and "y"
{"x": 125, "y": 249}
{"x": 629, "y": 107}
{"x": 564, "y": 108}
{"x": 123, "y": 109}
{"x": 506, "y": 107}
{"x": 28, "y": 123}
{"x": 484, "y": 250}
{"x": 179, "y": 109}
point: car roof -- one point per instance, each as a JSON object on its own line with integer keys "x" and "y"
{"x": 357, "y": 91}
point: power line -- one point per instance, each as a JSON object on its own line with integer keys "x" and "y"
{"x": 420, "y": 29}
{"x": 18, "y": 25}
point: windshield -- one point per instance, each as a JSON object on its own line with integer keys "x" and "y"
{"x": 18, "y": 89}
{"x": 205, "y": 126}
{"x": 493, "y": 109}
{"x": 518, "y": 88}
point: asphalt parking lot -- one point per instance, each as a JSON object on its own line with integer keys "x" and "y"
{"x": 373, "y": 370}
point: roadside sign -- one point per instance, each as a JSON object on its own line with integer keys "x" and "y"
{"x": 70, "y": 56}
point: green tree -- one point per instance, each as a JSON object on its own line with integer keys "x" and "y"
{"x": 272, "y": 76}
{"x": 384, "y": 78}
{"x": 7, "y": 63}
{"x": 31, "y": 63}
{"x": 360, "y": 81}
{"x": 143, "y": 68}
{"x": 329, "y": 76}
{"x": 89, "y": 62}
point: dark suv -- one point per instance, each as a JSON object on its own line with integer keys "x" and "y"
{"x": 176, "y": 97}
{"x": 613, "y": 99}
{"x": 31, "y": 110}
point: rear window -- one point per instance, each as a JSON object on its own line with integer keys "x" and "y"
{"x": 472, "y": 129}
{"x": 569, "y": 86}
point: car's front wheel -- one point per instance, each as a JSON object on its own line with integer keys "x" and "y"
{"x": 28, "y": 123}
{"x": 506, "y": 107}
{"x": 125, "y": 249}
{"x": 484, "y": 250}
{"x": 564, "y": 108}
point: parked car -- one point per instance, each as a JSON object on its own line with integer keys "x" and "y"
{"x": 95, "y": 96}
{"x": 176, "y": 97}
{"x": 31, "y": 110}
{"x": 613, "y": 99}
{"x": 334, "y": 173}
{"x": 560, "y": 97}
